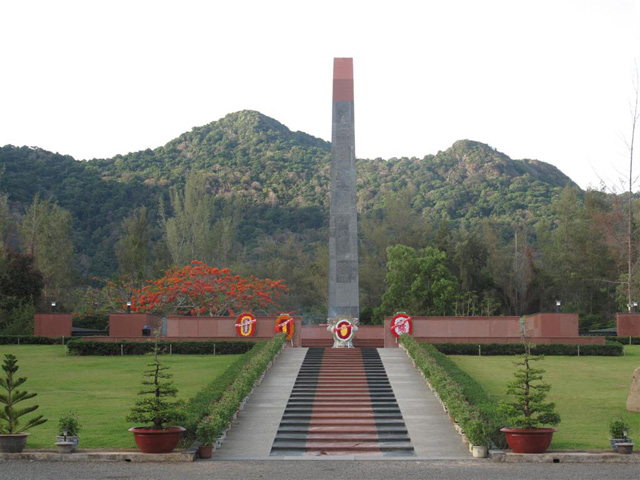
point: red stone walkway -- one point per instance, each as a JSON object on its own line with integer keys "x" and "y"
{"x": 342, "y": 404}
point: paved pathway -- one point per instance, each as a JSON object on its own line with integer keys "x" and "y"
{"x": 430, "y": 430}
{"x": 252, "y": 434}
{"x": 432, "y": 433}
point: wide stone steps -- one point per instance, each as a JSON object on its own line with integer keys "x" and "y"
{"x": 342, "y": 404}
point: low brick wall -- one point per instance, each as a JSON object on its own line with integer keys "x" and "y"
{"x": 539, "y": 328}
{"x": 224, "y": 328}
{"x": 131, "y": 324}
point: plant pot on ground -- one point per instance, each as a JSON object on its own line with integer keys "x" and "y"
{"x": 206, "y": 434}
{"x": 68, "y": 429}
{"x": 159, "y": 414}
{"x": 619, "y": 433}
{"x": 478, "y": 434}
{"x": 529, "y": 412}
{"x": 13, "y": 436}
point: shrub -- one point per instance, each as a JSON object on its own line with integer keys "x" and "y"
{"x": 617, "y": 428}
{"x": 221, "y": 399}
{"x": 626, "y": 340}
{"x": 70, "y": 422}
{"x": 610, "y": 349}
{"x": 465, "y": 399}
{"x": 210, "y": 347}
{"x": 29, "y": 340}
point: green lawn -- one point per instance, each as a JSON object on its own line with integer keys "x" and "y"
{"x": 588, "y": 392}
{"x": 101, "y": 389}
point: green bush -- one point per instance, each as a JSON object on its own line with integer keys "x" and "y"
{"x": 28, "y": 340}
{"x": 465, "y": 399}
{"x": 626, "y": 340}
{"x": 610, "y": 349}
{"x": 87, "y": 347}
{"x": 221, "y": 399}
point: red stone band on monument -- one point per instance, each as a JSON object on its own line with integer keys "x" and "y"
{"x": 343, "y": 79}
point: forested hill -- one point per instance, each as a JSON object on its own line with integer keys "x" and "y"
{"x": 279, "y": 177}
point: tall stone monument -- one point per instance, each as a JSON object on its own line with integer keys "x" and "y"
{"x": 343, "y": 237}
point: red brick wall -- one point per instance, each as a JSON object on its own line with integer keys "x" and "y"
{"x": 131, "y": 324}
{"x": 628, "y": 324}
{"x": 223, "y": 328}
{"x": 540, "y": 328}
{"x": 52, "y": 324}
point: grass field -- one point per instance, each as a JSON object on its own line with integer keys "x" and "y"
{"x": 588, "y": 392}
{"x": 101, "y": 389}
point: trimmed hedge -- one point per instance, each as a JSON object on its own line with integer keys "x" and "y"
{"x": 87, "y": 347}
{"x": 31, "y": 340}
{"x": 626, "y": 340}
{"x": 465, "y": 399}
{"x": 221, "y": 399}
{"x": 610, "y": 349}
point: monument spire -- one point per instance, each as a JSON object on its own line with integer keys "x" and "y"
{"x": 343, "y": 236}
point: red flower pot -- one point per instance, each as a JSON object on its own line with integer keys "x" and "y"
{"x": 205, "y": 451}
{"x": 156, "y": 441}
{"x": 529, "y": 441}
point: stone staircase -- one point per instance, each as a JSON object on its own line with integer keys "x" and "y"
{"x": 342, "y": 404}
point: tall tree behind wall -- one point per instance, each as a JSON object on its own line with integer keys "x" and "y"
{"x": 45, "y": 234}
{"x": 133, "y": 248}
{"x": 4, "y": 220}
{"x": 189, "y": 232}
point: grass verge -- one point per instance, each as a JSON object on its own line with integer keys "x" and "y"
{"x": 588, "y": 392}
{"x": 101, "y": 389}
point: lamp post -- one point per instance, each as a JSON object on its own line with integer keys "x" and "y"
{"x": 634, "y": 307}
{"x": 53, "y": 307}
{"x": 129, "y": 306}
{"x": 558, "y": 303}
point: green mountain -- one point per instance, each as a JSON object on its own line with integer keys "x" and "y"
{"x": 279, "y": 178}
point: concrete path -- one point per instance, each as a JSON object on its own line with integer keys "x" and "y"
{"x": 432, "y": 433}
{"x": 252, "y": 434}
{"x": 430, "y": 430}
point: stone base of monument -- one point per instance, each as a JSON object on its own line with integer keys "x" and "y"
{"x": 340, "y": 344}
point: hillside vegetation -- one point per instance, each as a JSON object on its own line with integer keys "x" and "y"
{"x": 267, "y": 195}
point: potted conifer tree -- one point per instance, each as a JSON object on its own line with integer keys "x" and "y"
{"x": 13, "y": 435}
{"x": 156, "y": 412}
{"x": 529, "y": 412}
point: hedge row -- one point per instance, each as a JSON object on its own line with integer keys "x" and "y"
{"x": 221, "y": 399}
{"x": 465, "y": 399}
{"x": 626, "y": 340}
{"x": 30, "y": 340}
{"x": 87, "y": 347}
{"x": 610, "y": 349}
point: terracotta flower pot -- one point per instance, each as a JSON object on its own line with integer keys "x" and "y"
{"x": 529, "y": 441}
{"x": 156, "y": 441}
{"x": 205, "y": 451}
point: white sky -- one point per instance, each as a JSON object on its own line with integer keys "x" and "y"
{"x": 550, "y": 80}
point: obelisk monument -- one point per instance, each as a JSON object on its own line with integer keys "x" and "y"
{"x": 343, "y": 231}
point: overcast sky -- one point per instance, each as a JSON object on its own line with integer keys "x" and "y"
{"x": 548, "y": 80}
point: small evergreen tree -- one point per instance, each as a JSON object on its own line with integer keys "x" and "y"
{"x": 529, "y": 410}
{"x": 155, "y": 410}
{"x": 9, "y": 415}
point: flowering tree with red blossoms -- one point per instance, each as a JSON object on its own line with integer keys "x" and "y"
{"x": 198, "y": 289}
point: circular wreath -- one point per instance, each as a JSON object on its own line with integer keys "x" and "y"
{"x": 401, "y": 323}
{"x": 285, "y": 324}
{"x": 343, "y": 330}
{"x": 245, "y": 325}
